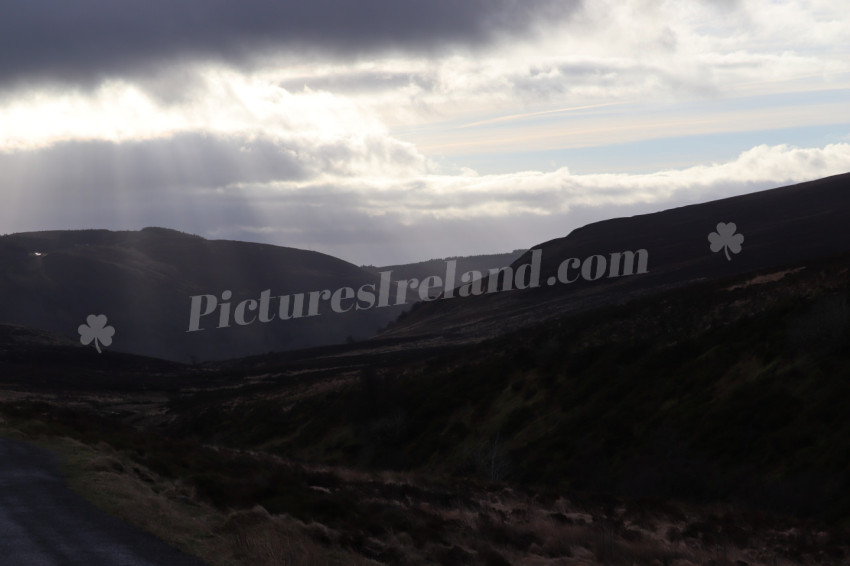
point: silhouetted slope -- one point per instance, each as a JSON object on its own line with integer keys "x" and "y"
{"x": 728, "y": 390}
{"x": 143, "y": 282}
{"x": 422, "y": 269}
{"x": 787, "y": 225}
{"x": 42, "y": 361}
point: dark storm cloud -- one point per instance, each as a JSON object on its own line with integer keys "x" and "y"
{"x": 86, "y": 40}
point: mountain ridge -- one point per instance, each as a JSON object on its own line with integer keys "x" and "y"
{"x": 144, "y": 280}
{"x": 784, "y": 225}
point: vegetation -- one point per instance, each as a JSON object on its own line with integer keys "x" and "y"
{"x": 702, "y": 426}
{"x": 706, "y": 394}
{"x": 241, "y": 508}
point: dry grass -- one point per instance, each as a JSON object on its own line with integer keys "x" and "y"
{"x": 258, "y": 538}
{"x": 171, "y": 511}
{"x": 404, "y": 519}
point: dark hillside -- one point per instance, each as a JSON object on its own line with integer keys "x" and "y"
{"x": 143, "y": 282}
{"x": 783, "y": 226}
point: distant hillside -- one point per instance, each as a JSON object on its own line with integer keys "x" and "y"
{"x": 423, "y": 269}
{"x": 148, "y": 283}
{"x": 143, "y": 282}
{"x": 786, "y": 225}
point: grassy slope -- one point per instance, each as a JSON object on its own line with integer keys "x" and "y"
{"x": 234, "y": 508}
{"x": 709, "y": 394}
{"x": 705, "y": 393}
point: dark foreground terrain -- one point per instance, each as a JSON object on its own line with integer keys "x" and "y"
{"x": 46, "y": 524}
{"x": 699, "y": 425}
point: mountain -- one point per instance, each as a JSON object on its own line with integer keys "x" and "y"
{"x": 422, "y": 269}
{"x": 786, "y": 225}
{"x": 180, "y": 297}
{"x": 149, "y": 283}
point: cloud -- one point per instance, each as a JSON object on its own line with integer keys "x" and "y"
{"x": 344, "y": 126}
{"x": 631, "y": 53}
{"x": 184, "y": 161}
{"x": 366, "y": 201}
{"x": 435, "y": 216}
{"x": 559, "y": 192}
{"x": 87, "y": 40}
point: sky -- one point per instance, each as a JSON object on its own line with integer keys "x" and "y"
{"x": 390, "y": 131}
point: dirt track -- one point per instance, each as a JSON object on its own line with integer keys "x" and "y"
{"x": 44, "y": 523}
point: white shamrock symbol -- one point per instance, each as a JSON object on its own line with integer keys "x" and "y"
{"x": 96, "y": 330}
{"x": 726, "y": 239}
